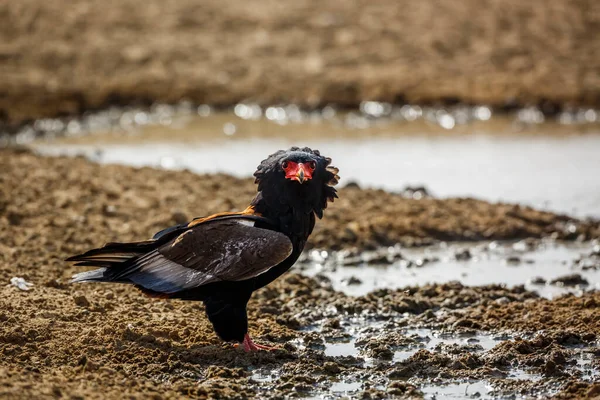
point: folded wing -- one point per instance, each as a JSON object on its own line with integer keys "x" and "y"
{"x": 222, "y": 250}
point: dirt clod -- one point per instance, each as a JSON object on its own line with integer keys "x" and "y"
{"x": 570, "y": 280}
{"x": 81, "y": 300}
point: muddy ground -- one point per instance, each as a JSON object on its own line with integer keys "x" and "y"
{"x": 65, "y": 57}
{"x": 110, "y": 341}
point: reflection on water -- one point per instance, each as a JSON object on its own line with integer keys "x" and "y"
{"x": 464, "y": 390}
{"x": 430, "y": 339}
{"x": 544, "y": 165}
{"x": 345, "y": 387}
{"x": 341, "y": 349}
{"x": 491, "y": 263}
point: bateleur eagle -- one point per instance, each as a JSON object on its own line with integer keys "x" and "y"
{"x": 221, "y": 259}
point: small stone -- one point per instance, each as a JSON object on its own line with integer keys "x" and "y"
{"x": 538, "y": 280}
{"x": 570, "y": 280}
{"x": 353, "y": 281}
{"x": 81, "y": 300}
{"x": 382, "y": 353}
{"x": 53, "y": 283}
{"x": 463, "y": 255}
{"x": 513, "y": 260}
{"x": 331, "y": 367}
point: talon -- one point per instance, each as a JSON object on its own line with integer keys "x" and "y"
{"x": 249, "y": 345}
{"x": 267, "y": 348}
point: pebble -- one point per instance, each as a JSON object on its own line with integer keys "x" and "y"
{"x": 538, "y": 280}
{"x": 353, "y": 281}
{"x": 570, "y": 280}
{"x": 81, "y": 300}
{"x": 463, "y": 255}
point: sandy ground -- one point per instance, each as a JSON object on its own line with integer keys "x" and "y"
{"x": 81, "y": 203}
{"x": 65, "y": 57}
{"x": 109, "y": 341}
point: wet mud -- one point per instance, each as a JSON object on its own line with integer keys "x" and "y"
{"x": 308, "y": 53}
{"x": 109, "y": 341}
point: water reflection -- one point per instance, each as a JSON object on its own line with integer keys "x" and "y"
{"x": 548, "y": 172}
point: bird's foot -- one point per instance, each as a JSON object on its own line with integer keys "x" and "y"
{"x": 249, "y": 345}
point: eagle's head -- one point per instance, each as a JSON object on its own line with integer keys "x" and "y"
{"x": 300, "y": 178}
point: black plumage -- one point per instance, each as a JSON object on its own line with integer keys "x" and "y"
{"x": 223, "y": 258}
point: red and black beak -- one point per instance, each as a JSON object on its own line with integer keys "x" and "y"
{"x": 300, "y": 172}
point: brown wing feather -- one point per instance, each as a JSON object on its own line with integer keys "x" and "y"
{"x": 227, "y": 250}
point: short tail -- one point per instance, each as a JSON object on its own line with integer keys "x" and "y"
{"x": 110, "y": 258}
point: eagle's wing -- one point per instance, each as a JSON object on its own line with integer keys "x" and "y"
{"x": 220, "y": 250}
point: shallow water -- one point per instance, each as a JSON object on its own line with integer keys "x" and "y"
{"x": 547, "y": 165}
{"x": 362, "y": 332}
{"x": 489, "y": 263}
{"x": 345, "y": 387}
{"x": 465, "y": 390}
{"x": 480, "y": 343}
{"x": 430, "y": 339}
{"x": 426, "y": 339}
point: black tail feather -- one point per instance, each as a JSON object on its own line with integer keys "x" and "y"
{"x": 94, "y": 264}
{"x": 115, "y": 252}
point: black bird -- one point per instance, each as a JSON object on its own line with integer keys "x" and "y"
{"x": 221, "y": 259}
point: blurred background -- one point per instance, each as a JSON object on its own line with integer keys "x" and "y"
{"x": 495, "y": 99}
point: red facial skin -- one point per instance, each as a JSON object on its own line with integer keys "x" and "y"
{"x": 300, "y": 172}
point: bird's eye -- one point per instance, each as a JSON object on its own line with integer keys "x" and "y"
{"x": 285, "y": 165}
{"x": 312, "y": 165}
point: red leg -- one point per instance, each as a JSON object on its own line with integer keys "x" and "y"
{"x": 249, "y": 345}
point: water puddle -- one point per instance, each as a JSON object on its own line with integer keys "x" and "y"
{"x": 418, "y": 338}
{"x": 506, "y": 384}
{"x": 264, "y": 375}
{"x": 464, "y": 390}
{"x": 489, "y": 263}
{"x": 452, "y": 345}
{"x": 341, "y": 349}
{"x": 345, "y": 387}
{"x": 516, "y": 161}
{"x": 437, "y": 341}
